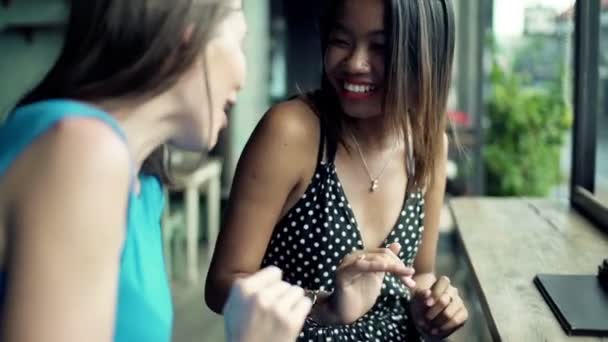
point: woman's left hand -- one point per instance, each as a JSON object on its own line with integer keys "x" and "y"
{"x": 438, "y": 311}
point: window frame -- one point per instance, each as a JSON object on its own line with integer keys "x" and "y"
{"x": 584, "y": 143}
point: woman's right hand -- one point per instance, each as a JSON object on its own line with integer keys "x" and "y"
{"x": 262, "y": 307}
{"x": 359, "y": 281}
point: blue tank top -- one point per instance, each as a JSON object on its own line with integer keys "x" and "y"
{"x": 144, "y": 310}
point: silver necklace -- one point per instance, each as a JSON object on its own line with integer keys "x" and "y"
{"x": 374, "y": 182}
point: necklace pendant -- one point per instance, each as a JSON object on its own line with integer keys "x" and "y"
{"x": 374, "y": 186}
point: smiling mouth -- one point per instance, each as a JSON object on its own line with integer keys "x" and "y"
{"x": 358, "y": 88}
{"x": 357, "y": 91}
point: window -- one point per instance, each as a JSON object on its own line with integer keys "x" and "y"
{"x": 527, "y": 143}
{"x": 589, "y": 173}
{"x": 601, "y": 160}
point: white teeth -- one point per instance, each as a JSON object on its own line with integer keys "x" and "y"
{"x": 355, "y": 88}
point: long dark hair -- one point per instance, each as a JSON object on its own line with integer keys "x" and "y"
{"x": 420, "y": 54}
{"x": 116, "y": 49}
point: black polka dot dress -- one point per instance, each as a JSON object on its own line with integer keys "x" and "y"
{"x": 311, "y": 240}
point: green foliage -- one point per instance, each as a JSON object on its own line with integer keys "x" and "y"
{"x": 524, "y": 136}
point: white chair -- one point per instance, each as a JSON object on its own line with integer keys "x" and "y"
{"x": 206, "y": 179}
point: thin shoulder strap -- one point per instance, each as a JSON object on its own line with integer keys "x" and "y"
{"x": 322, "y": 141}
{"x": 332, "y": 147}
{"x": 321, "y": 153}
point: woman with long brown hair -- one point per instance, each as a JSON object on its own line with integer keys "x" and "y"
{"x": 342, "y": 188}
{"x": 80, "y": 183}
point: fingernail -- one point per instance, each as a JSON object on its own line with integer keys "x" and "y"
{"x": 430, "y": 302}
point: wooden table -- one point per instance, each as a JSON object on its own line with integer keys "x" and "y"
{"x": 506, "y": 243}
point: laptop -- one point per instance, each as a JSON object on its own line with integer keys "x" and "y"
{"x": 579, "y": 302}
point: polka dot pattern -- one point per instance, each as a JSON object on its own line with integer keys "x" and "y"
{"x": 309, "y": 243}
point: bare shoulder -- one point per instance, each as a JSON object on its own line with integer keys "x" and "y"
{"x": 291, "y": 121}
{"x": 88, "y": 138}
{"x": 286, "y": 139}
{"x": 68, "y": 232}
{"x": 75, "y": 152}
{"x": 281, "y": 153}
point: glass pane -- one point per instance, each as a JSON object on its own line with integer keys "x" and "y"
{"x": 528, "y": 144}
{"x": 601, "y": 173}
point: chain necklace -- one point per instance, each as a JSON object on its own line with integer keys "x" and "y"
{"x": 374, "y": 181}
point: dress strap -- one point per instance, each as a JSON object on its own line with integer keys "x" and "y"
{"x": 322, "y": 153}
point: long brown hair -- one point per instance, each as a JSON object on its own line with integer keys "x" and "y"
{"x": 116, "y": 49}
{"x": 420, "y": 53}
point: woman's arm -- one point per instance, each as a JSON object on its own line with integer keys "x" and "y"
{"x": 424, "y": 264}
{"x": 278, "y": 160}
{"x": 437, "y": 308}
{"x": 66, "y": 235}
